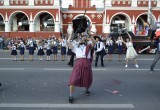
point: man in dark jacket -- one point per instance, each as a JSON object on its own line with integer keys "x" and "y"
{"x": 157, "y": 55}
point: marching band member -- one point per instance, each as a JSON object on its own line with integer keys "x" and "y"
{"x": 48, "y": 50}
{"x": 109, "y": 43}
{"x": 22, "y": 49}
{"x": 55, "y": 48}
{"x": 40, "y": 50}
{"x": 75, "y": 43}
{"x": 69, "y": 52}
{"x": 31, "y": 49}
{"x": 131, "y": 53}
{"x": 119, "y": 42}
{"x": 63, "y": 48}
{"x": 82, "y": 71}
{"x": 14, "y": 52}
{"x": 99, "y": 50}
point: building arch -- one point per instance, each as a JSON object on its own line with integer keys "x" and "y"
{"x": 116, "y": 26}
{"x": 85, "y": 16}
{"x": 145, "y": 13}
{"x": 41, "y": 12}
{"x": 44, "y": 21}
{"x": 121, "y": 13}
{"x": 19, "y": 21}
{"x": 2, "y": 25}
{"x": 16, "y": 12}
{"x": 2, "y": 17}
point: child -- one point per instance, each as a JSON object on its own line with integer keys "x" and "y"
{"x": 109, "y": 43}
{"x": 14, "y": 52}
{"x": 63, "y": 49}
{"x": 120, "y": 47}
{"x": 22, "y": 49}
{"x": 40, "y": 51}
{"x": 48, "y": 52}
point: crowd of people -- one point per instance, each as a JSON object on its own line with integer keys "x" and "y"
{"x": 51, "y": 45}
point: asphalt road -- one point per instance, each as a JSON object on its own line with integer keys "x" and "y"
{"x": 43, "y": 85}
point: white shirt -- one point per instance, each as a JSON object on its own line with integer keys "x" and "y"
{"x": 81, "y": 51}
{"x": 22, "y": 44}
{"x": 89, "y": 42}
{"x": 55, "y": 43}
{"x": 40, "y": 47}
{"x": 63, "y": 43}
{"x": 119, "y": 42}
{"x": 49, "y": 41}
{"x": 109, "y": 43}
{"x": 75, "y": 43}
{"x": 13, "y": 47}
{"x": 30, "y": 43}
{"x": 48, "y": 47}
{"x": 101, "y": 46}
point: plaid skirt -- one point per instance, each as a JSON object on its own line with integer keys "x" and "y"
{"x": 82, "y": 73}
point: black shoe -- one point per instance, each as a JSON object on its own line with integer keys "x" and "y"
{"x": 102, "y": 65}
{"x": 87, "y": 93}
{"x": 95, "y": 65}
{"x": 70, "y": 100}
{"x": 151, "y": 71}
{"x": 69, "y": 64}
{"x": 0, "y": 84}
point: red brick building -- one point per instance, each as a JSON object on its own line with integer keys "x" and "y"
{"x": 35, "y": 18}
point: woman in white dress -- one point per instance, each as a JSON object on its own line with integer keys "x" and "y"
{"x": 130, "y": 53}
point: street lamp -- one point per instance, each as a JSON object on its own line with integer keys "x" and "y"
{"x": 20, "y": 24}
{"x": 45, "y": 25}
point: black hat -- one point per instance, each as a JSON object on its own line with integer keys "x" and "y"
{"x": 98, "y": 38}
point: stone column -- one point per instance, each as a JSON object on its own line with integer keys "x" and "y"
{"x": 31, "y": 27}
{"x": 131, "y": 27}
{"x": 7, "y": 27}
{"x": 106, "y": 28}
{"x": 57, "y": 27}
{"x": 93, "y": 29}
{"x": 70, "y": 29}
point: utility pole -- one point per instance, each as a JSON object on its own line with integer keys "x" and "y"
{"x": 149, "y": 12}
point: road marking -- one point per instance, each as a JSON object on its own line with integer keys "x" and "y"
{"x": 12, "y": 69}
{"x": 140, "y": 69}
{"x": 68, "y": 69}
{"x": 145, "y": 59}
{"x": 142, "y": 59}
{"x": 57, "y": 69}
{"x": 80, "y": 106}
